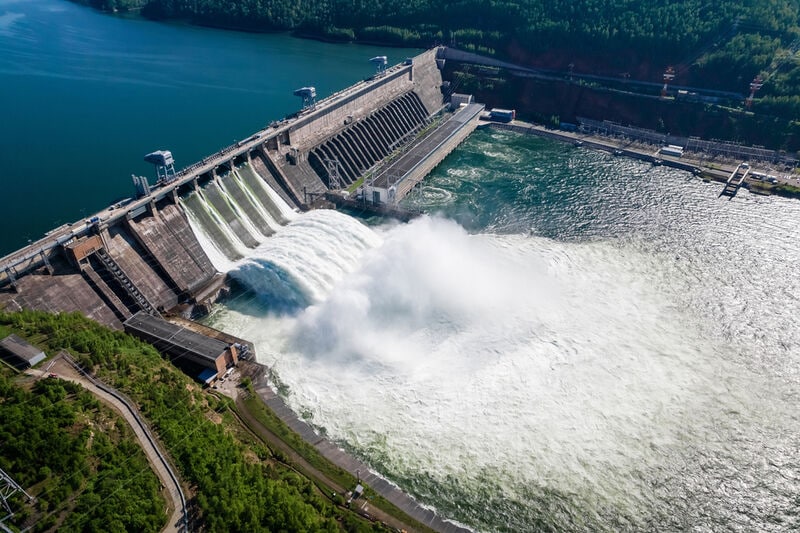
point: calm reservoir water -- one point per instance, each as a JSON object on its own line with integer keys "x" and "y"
{"x": 570, "y": 342}
{"x": 84, "y": 96}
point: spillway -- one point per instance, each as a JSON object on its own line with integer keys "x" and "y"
{"x": 236, "y": 212}
{"x": 233, "y": 201}
{"x": 248, "y": 206}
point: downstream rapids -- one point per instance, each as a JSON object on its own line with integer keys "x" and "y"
{"x": 571, "y": 342}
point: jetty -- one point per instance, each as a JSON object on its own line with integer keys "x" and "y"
{"x": 735, "y": 180}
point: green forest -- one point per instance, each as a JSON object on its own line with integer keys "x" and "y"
{"x": 721, "y": 44}
{"x": 77, "y": 458}
{"x": 234, "y": 485}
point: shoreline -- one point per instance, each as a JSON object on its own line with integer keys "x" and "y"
{"x": 331, "y": 451}
{"x": 715, "y": 169}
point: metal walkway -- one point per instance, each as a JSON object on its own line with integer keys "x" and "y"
{"x": 735, "y": 180}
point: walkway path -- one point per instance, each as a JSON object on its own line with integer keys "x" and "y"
{"x": 66, "y": 368}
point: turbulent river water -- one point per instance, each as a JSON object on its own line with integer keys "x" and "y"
{"x": 568, "y": 341}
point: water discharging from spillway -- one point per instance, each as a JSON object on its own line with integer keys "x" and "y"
{"x": 620, "y": 370}
{"x": 234, "y": 213}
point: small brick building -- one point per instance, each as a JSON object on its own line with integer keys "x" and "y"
{"x": 183, "y": 345}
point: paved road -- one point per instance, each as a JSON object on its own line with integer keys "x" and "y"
{"x": 65, "y": 370}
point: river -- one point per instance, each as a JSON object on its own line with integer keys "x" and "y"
{"x": 570, "y": 341}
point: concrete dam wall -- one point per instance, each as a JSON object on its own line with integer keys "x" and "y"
{"x": 146, "y": 255}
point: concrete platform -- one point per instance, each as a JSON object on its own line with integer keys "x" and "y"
{"x": 423, "y": 155}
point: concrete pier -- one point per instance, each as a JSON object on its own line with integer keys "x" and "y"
{"x": 735, "y": 181}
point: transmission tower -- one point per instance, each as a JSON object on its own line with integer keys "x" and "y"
{"x": 9, "y": 487}
{"x": 334, "y": 177}
{"x": 669, "y": 75}
{"x": 755, "y": 85}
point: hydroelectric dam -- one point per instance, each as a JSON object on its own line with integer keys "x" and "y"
{"x": 144, "y": 254}
{"x": 159, "y": 255}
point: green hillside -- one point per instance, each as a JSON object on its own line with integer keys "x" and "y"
{"x": 91, "y": 476}
{"x": 721, "y": 44}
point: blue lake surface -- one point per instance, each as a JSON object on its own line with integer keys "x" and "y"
{"x": 85, "y": 95}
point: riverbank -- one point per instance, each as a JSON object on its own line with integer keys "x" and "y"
{"x": 763, "y": 179}
{"x": 328, "y": 450}
{"x": 330, "y": 479}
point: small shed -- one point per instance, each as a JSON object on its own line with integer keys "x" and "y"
{"x": 457, "y": 100}
{"x": 673, "y": 150}
{"x": 19, "y": 353}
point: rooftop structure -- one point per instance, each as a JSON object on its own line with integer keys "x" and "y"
{"x": 183, "y": 345}
{"x": 673, "y": 150}
{"x": 380, "y": 64}
{"x": 457, "y": 100}
{"x": 308, "y": 95}
{"x": 164, "y": 163}
{"x": 19, "y": 353}
{"x": 142, "y": 186}
{"x": 160, "y": 157}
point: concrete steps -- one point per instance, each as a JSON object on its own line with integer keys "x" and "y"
{"x": 113, "y": 268}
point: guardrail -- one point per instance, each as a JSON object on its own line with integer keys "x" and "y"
{"x": 127, "y": 403}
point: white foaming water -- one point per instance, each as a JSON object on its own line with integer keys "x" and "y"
{"x": 273, "y": 224}
{"x": 313, "y": 251}
{"x": 285, "y": 209}
{"x": 454, "y": 358}
{"x": 215, "y": 255}
{"x": 242, "y": 216}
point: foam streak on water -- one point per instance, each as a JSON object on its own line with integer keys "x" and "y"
{"x": 598, "y": 355}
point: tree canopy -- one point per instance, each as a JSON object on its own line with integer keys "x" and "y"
{"x": 237, "y": 485}
{"x": 720, "y": 44}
